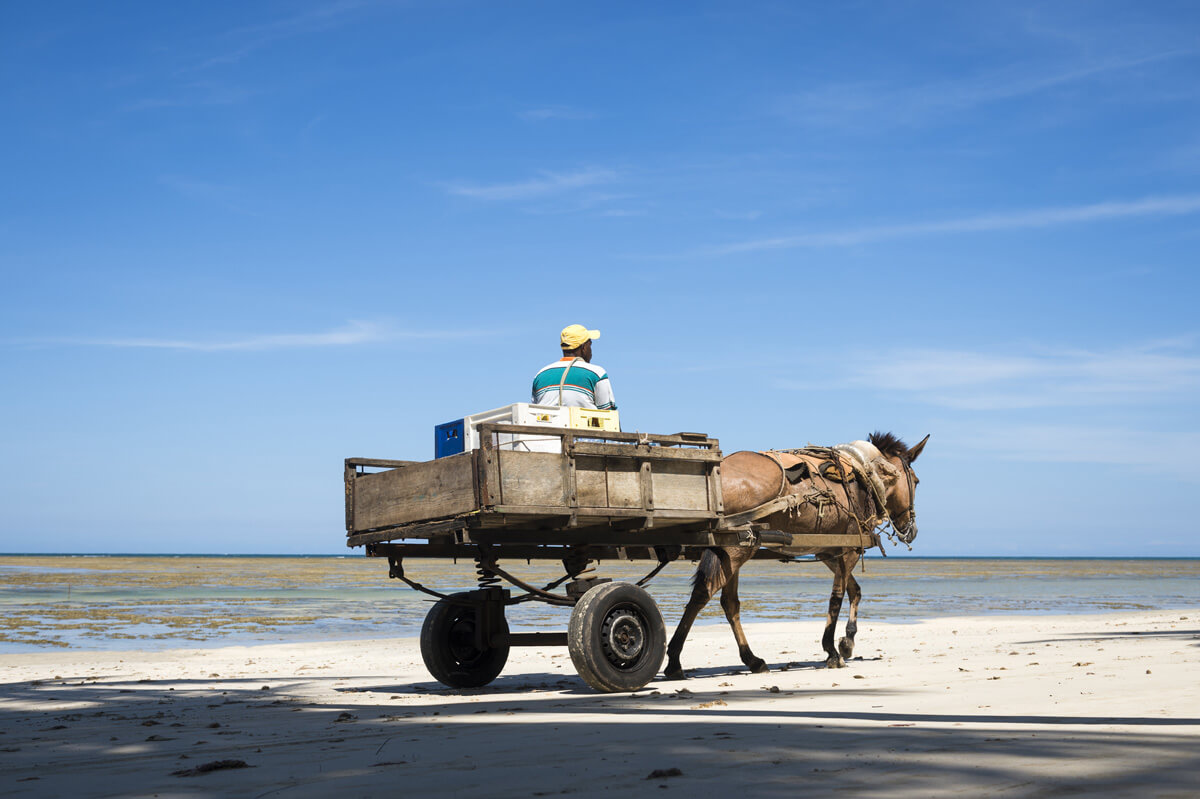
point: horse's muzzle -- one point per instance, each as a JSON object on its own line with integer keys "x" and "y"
{"x": 908, "y": 533}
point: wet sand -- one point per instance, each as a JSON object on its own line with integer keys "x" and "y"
{"x": 994, "y": 705}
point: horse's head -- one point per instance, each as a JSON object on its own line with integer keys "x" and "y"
{"x": 900, "y": 482}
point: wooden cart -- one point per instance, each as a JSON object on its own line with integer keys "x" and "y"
{"x": 606, "y": 495}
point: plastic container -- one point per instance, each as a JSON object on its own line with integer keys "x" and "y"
{"x": 463, "y": 435}
{"x": 448, "y": 439}
{"x": 592, "y": 419}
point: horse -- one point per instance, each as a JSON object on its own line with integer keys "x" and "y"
{"x": 851, "y": 488}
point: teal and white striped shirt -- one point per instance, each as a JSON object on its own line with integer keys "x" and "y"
{"x": 586, "y": 386}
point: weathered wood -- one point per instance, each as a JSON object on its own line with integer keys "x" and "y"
{"x": 645, "y": 487}
{"x": 717, "y": 498}
{"x": 659, "y": 536}
{"x": 559, "y": 548}
{"x": 419, "y": 492}
{"x": 591, "y": 482}
{"x": 680, "y": 485}
{"x": 423, "y": 530}
{"x": 623, "y": 482}
{"x": 655, "y": 453}
{"x": 531, "y": 478}
{"x": 682, "y": 439}
{"x": 570, "y": 489}
{"x": 380, "y": 463}
{"x": 616, "y": 513}
{"x": 349, "y": 473}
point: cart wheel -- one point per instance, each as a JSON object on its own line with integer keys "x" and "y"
{"x": 616, "y": 637}
{"x": 450, "y": 651}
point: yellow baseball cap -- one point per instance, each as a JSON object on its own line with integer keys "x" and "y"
{"x": 574, "y": 335}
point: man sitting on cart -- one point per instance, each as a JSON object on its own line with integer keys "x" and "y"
{"x": 574, "y": 380}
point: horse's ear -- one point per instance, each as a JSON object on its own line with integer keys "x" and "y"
{"x": 915, "y": 451}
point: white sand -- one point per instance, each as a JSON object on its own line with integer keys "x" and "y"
{"x": 1013, "y": 706}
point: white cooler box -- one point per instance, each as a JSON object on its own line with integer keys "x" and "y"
{"x": 522, "y": 413}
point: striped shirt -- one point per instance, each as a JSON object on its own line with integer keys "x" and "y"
{"x": 586, "y": 386}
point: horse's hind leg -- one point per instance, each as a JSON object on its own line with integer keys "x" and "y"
{"x": 707, "y": 580}
{"x": 732, "y": 605}
{"x": 837, "y": 565}
{"x": 717, "y": 567}
{"x": 846, "y": 644}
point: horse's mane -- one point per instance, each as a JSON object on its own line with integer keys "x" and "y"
{"x": 889, "y": 445}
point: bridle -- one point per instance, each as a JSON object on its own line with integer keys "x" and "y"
{"x": 907, "y": 530}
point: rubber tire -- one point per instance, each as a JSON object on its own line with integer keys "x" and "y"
{"x": 448, "y": 646}
{"x": 633, "y": 610}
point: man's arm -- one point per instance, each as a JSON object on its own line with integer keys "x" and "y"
{"x": 604, "y": 394}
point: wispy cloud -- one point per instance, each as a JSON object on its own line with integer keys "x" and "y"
{"x": 554, "y": 112}
{"x": 738, "y": 216}
{"x": 1145, "y": 449}
{"x": 886, "y": 103}
{"x": 225, "y": 195}
{"x": 979, "y": 381}
{"x": 1013, "y": 220}
{"x": 250, "y": 38}
{"x": 1047, "y": 406}
{"x": 194, "y": 94}
{"x": 544, "y": 184}
{"x": 354, "y": 333}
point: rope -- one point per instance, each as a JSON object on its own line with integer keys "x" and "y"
{"x": 823, "y": 495}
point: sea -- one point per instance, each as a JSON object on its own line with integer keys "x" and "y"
{"x": 116, "y": 602}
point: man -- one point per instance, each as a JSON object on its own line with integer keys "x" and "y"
{"x": 573, "y": 380}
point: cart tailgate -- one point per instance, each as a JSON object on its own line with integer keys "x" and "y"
{"x": 431, "y": 490}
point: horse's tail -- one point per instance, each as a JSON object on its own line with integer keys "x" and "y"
{"x": 710, "y": 575}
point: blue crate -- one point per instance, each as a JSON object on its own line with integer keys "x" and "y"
{"x": 448, "y": 439}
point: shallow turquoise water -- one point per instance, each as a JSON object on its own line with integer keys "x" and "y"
{"x": 111, "y": 602}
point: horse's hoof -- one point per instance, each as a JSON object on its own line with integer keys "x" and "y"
{"x": 759, "y": 666}
{"x": 846, "y": 648}
{"x": 674, "y": 674}
{"x": 835, "y": 663}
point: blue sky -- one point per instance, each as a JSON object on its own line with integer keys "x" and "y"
{"x": 241, "y": 242}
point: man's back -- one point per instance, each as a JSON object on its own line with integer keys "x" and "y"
{"x": 575, "y": 383}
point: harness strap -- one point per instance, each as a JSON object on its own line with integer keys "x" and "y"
{"x": 783, "y": 483}
{"x": 563, "y": 382}
{"x": 870, "y": 475}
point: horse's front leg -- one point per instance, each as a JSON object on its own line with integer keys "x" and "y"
{"x": 846, "y": 644}
{"x": 732, "y": 605}
{"x": 837, "y": 565}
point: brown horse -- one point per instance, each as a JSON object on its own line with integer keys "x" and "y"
{"x": 848, "y": 489}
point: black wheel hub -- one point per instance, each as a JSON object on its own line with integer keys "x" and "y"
{"x": 462, "y": 641}
{"x": 623, "y": 636}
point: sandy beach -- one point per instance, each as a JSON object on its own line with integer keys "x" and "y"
{"x": 991, "y": 705}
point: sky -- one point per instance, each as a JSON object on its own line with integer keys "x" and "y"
{"x": 241, "y": 242}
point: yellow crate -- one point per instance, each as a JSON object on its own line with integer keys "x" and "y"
{"x": 591, "y": 419}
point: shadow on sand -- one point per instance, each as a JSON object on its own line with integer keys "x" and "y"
{"x": 114, "y": 737}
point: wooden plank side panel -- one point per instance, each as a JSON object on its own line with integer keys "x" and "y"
{"x": 418, "y": 492}
{"x": 623, "y": 476}
{"x": 680, "y": 485}
{"x": 591, "y": 484}
{"x": 531, "y": 478}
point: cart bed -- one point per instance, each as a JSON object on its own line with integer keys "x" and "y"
{"x": 628, "y": 480}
